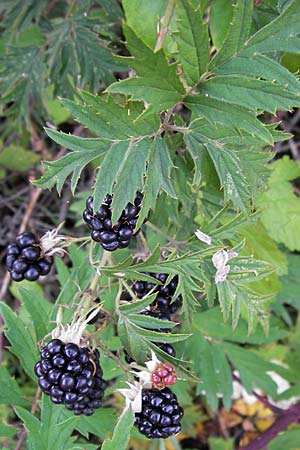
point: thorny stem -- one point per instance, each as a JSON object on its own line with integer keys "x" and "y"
{"x": 286, "y": 418}
{"x": 23, "y": 433}
{"x": 165, "y": 22}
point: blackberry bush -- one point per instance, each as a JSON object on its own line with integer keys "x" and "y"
{"x": 187, "y": 124}
{"x": 112, "y": 235}
{"x": 71, "y": 375}
{"x": 161, "y": 414}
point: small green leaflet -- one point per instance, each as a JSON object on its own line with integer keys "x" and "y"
{"x": 283, "y": 227}
{"x": 157, "y": 82}
{"x": 192, "y": 40}
{"x": 11, "y": 394}
{"x": 144, "y": 17}
{"x": 253, "y": 94}
{"x": 158, "y": 175}
{"x": 231, "y": 116}
{"x": 237, "y": 34}
{"x": 22, "y": 343}
{"x": 120, "y": 437}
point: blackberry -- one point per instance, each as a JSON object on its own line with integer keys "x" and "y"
{"x": 25, "y": 259}
{"x": 71, "y": 375}
{"x": 161, "y": 414}
{"x": 164, "y": 296}
{"x": 162, "y": 315}
{"x": 112, "y": 236}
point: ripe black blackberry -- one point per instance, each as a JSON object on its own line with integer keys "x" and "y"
{"x": 161, "y": 414}
{"x": 25, "y": 258}
{"x": 71, "y": 375}
{"x": 112, "y": 236}
{"x": 164, "y": 296}
{"x": 162, "y": 315}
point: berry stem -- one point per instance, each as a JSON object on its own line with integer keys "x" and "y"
{"x": 288, "y": 417}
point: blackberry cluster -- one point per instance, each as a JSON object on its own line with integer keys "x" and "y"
{"x": 164, "y": 293}
{"x": 24, "y": 259}
{"x": 161, "y": 414}
{"x": 165, "y": 347}
{"x": 71, "y": 375}
{"x": 112, "y": 236}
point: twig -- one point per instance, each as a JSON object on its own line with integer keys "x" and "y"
{"x": 288, "y": 417}
{"x": 261, "y": 399}
{"x": 34, "y": 406}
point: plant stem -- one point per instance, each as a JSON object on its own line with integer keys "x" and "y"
{"x": 168, "y": 238}
{"x": 287, "y": 417}
{"x": 165, "y": 22}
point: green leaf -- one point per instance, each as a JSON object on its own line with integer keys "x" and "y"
{"x": 22, "y": 82}
{"x": 221, "y": 444}
{"x": 192, "y": 40}
{"x": 232, "y": 178}
{"x": 144, "y": 17}
{"x": 121, "y": 434}
{"x": 290, "y": 283}
{"x": 260, "y": 66}
{"x": 238, "y": 32}
{"x": 22, "y": 344}
{"x": 11, "y": 394}
{"x": 220, "y": 17}
{"x": 252, "y": 369}
{"x": 55, "y": 429}
{"x": 158, "y": 83}
{"x": 282, "y": 227}
{"x": 38, "y": 309}
{"x": 72, "y": 163}
{"x": 17, "y": 158}
{"x": 210, "y": 323}
{"x": 212, "y": 368}
{"x": 32, "y": 425}
{"x": 105, "y": 416}
{"x": 158, "y": 175}
{"x": 151, "y": 323}
{"x": 286, "y": 439}
{"x": 231, "y": 296}
{"x": 250, "y": 93}
{"x": 136, "y": 340}
{"x": 231, "y": 116}
{"x": 75, "y": 143}
{"x": 269, "y": 38}
{"x": 137, "y": 305}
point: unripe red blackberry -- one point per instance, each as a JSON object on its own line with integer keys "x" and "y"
{"x": 25, "y": 258}
{"x": 161, "y": 414}
{"x": 71, "y": 375}
{"x": 164, "y": 296}
{"x": 112, "y": 236}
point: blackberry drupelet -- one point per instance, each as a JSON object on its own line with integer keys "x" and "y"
{"x": 162, "y": 315}
{"x": 71, "y": 375}
{"x": 161, "y": 414}
{"x": 164, "y": 293}
{"x": 112, "y": 236}
{"x": 25, "y": 259}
